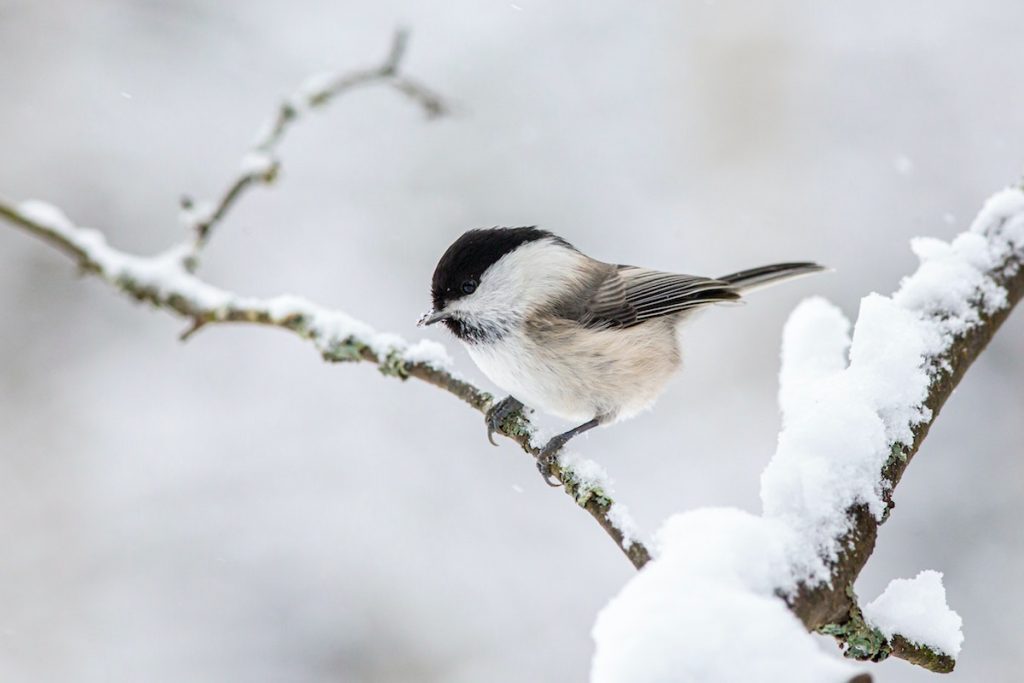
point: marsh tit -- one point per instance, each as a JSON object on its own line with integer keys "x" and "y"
{"x": 584, "y": 340}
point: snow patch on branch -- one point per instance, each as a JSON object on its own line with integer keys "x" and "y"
{"x": 47, "y": 215}
{"x": 164, "y": 275}
{"x": 618, "y": 515}
{"x": 314, "y": 89}
{"x": 588, "y": 478}
{"x": 1002, "y": 216}
{"x": 257, "y": 164}
{"x": 165, "y": 279}
{"x": 839, "y": 423}
{"x": 707, "y": 608}
{"x": 842, "y": 422}
{"x": 428, "y": 352}
{"x": 916, "y": 609}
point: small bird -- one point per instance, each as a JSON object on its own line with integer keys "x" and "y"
{"x": 583, "y": 340}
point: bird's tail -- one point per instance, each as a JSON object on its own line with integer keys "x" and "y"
{"x": 755, "y": 278}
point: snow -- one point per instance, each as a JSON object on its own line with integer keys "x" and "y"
{"x": 591, "y": 478}
{"x": 917, "y": 610}
{"x": 199, "y": 213}
{"x": 165, "y": 275}
{"x": 430, "y": 353}
{"x": 314, "y": 88}
{"x": 618, "y": 515}
{"x": 47, "y": 215}
{"x": 257, "y": 164}
{"x": 707, "y": 608}
{"x": 332, "y": 327}
{"x": 286, "y": 306}
{"x": 815, "y": 343}
{"x": 840, "y": 421}
{"x": 590, "y": 475}
{"x": 952, "y": 279}
{"x": 711, "y": 592}
{"x": 1003, "y": 214}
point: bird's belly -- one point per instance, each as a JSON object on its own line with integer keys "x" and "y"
{"x": 532, "y": 379}
{"x": 581, "y": 381}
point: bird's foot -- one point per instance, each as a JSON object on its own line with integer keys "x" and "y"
{"x": 548, "y": 456}
{"x": 498, "y": 413}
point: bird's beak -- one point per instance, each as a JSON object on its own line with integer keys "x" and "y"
{"x": 432, "y": 316}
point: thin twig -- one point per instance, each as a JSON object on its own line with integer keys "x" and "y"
{"x": 260, "y": 165}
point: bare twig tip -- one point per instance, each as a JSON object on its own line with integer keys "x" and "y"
{"x": 196, "y": 325}
{"x": 398, "y": 46}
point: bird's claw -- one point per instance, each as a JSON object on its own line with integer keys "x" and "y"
{"x": 544, "y": 467}
{"x": 546, "y": 458}
{"x": 497, "y": 414}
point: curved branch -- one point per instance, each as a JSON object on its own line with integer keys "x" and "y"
{"x": 167, "y": 283}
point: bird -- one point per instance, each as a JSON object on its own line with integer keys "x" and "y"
{"x": 587, "y": 341}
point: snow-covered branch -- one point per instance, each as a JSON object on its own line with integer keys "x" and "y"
{"x": 849, "y": 432}
{"x": 168, "y": 281}
{"x": 855, "y": 412}
{"x": 909, "y": 352}
{"x": 856, "y": 409}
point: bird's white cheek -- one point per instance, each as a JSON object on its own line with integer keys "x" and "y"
{"x": 486, "y": 309}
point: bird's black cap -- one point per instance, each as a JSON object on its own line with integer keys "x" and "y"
{"x": 472, "y": 254}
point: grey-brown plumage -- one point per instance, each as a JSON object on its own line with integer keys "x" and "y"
{"x": 627, "y": 296}
{"x": 584, "y": 340}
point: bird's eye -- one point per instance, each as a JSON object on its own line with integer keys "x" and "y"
{"x": 469, "y": 286}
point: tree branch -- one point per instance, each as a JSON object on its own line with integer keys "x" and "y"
{"x": 846, "y": 400}
{"x": 260, "y": 164}
{"x": 832, "y": 607}
{"x": 167, "y": 281}
{"x": 862, "y": 641}
{"x": 164, "y": 282}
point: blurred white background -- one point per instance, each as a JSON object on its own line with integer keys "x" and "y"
{"x": 233, "y": 509}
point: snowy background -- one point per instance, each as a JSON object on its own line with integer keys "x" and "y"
{"x": 234, "y": 509}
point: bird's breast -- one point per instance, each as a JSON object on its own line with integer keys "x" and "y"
{"x": 580, "y": 374}
{"x": 528, "y": 374}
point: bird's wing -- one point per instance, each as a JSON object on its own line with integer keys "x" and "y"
{"x": 629, "y": 295}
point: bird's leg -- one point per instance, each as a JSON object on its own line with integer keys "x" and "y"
{"x": 498, "y": 413}
{"x": 546, "y": 457}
